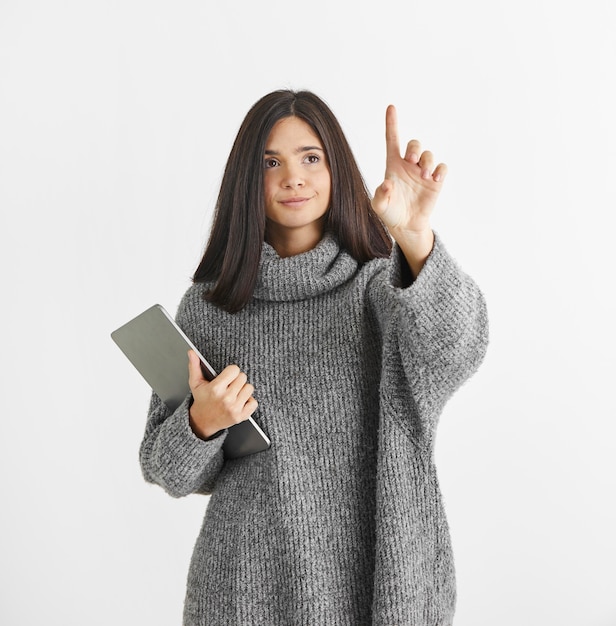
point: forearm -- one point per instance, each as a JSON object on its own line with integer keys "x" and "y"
{"x": 416, "y": 247}
{"x": 173, "y": 457}
{"x": 435, "y": 334}
{"x": 449, "y": 331}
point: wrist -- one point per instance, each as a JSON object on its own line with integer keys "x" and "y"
{"x": 416, "y": 247}
{"x": 201, "y": 431}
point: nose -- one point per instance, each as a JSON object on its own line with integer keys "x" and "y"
{"x": 293, "y": 177}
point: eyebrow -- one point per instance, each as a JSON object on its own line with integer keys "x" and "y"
{"x": 297, "y": 150}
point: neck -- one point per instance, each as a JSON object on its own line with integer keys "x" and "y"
{"x": 292, "y": 242}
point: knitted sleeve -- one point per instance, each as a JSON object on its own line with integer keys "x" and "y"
{"x": 435, "y": 338}
{"x": 171, "y": 455}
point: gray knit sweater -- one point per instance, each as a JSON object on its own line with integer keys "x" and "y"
{"x": 341, "y": 521}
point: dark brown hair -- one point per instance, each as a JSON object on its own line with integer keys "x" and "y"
{"x": 231, "y": 258}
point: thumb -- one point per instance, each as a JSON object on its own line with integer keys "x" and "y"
{"x": 382, "y": 194}
{"x": 195, "y": 375}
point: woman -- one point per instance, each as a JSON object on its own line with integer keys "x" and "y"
{"x": 351, "y": 348}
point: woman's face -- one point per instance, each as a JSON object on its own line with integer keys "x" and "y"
{"x": 297, "y": 184}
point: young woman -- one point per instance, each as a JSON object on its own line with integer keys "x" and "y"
{"x": 344, "y": 346}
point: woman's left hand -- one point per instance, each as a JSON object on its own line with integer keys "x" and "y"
{"x": 406, "y": 198}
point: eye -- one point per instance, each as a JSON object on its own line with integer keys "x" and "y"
{"x": 312, "y": 158}
{"x": 270, "y": 162}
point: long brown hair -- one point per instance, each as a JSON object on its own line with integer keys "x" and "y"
{"x": 231, "y": 258}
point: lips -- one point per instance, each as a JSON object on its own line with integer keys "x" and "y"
{"x": 295, "y": 202}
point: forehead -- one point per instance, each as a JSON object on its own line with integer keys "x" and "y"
{"x": 292, "y": 132}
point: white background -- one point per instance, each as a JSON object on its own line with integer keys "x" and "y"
{"x": 116, "y": 119}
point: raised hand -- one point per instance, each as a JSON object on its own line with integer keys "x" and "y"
{"x": 220, "y": 403}
{"x": 406, "y": 198}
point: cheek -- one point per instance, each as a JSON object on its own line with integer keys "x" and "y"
{"x": 268, "y": 186}
{"x": 325, "y": 183}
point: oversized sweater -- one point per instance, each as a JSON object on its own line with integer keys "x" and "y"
{"x": 341, "y": 521}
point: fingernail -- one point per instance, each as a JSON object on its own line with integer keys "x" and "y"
{"x": 414, "y": 157}
{"x": 437, "y": 178}
{"x": 425, "y": 174}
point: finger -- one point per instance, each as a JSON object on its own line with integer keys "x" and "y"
{"x": 426, "y": 163}
{"x": 413, "y": 150}
{"x": 249, "y": 408}
{"x": 228, "y": 375}
{"x": 195, "y": 374}
{"x": 440, "y": 172}
{"x": 235, "y": 386}
{"x": 391, "y": 133}
{"x": 245, "y": 394}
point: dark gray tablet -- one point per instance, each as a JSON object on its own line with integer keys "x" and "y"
{"x": 158, "y": 348}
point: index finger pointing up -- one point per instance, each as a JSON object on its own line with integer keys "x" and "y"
{"x": 391, "y": 132}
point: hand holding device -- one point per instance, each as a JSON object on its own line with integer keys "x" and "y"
{"x": 220, "y": 403}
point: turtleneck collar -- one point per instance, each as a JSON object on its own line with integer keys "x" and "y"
{"x": 304, "y": 275}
